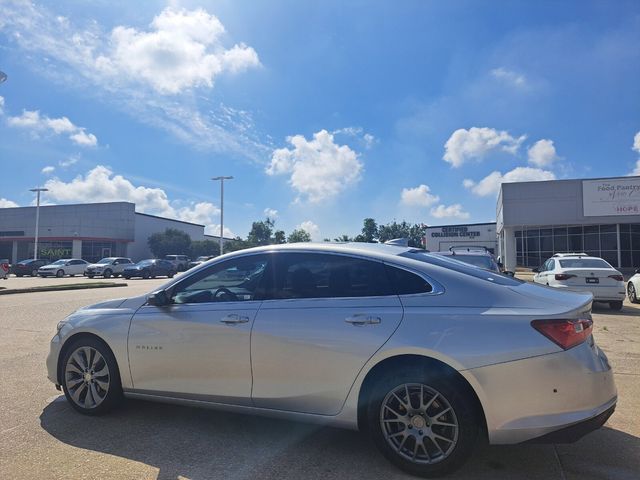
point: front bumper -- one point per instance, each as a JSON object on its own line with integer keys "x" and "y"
{"x": 534, "y": 397}
{"x": 47, "y": 273}
{"x": 52, "y": 359}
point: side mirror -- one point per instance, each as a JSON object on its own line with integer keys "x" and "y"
{"x": 536, "y": 270}
{"x": 158, "y": 299}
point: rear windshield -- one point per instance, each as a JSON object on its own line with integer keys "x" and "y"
{"x": 584, "y": 263}
{"x": 482, "y": 261}
{"x": 447, "y": 262}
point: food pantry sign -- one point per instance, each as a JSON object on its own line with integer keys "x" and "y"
{"x": 611, "y": 197}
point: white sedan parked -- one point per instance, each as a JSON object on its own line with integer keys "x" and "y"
{"x": 581, "y": 273}
{"x": 633, "y": 288}
{"x": 60, "y": 268}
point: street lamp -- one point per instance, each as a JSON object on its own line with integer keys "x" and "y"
{"x": 37, "y": 190}
{"x": 222, "y": 179}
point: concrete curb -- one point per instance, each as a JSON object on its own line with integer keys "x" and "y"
{"x": 57, "y": 288}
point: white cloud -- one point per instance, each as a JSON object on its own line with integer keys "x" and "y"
{"x": 270, "y": 213}
{"x": 4, "y": 203}
{"x": 468, "y": 183}
{"x": 367, "y": 139}
{"x": 181, "y": 50}
{"x": 319, "y": 168}
{"x": 475, "y": 143}
{"x": 69, "y": 161}
{"x": 419, "y": 196}
{"x": 311, "y": 228}
{"x": 636, "y": 147}
{"x": 542, "y": 153}
{"x": 490, "y": 185}
{"x": 179, "y": 56}
{"x": 101, "y": 185}
{"x": 509, "y": 77}
{"x": 450, "y": 211}
{"x": 36, "y": 123}
{"x": 48, "y": 170}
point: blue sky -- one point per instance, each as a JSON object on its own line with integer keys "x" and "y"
{"x": 324, "y": 112}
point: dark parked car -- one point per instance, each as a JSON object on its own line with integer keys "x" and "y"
{"x": 28, "y": 267}
{"x": 200, "y": 260}
{"x": 150, "y": 268}
{"x": 477, "y": 256}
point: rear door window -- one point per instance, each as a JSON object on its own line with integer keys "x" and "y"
{"x": 407, "y": 283}
{"x": 320, "y": 275}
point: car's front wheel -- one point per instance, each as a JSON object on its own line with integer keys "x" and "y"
{"x": 60, "y": 273}
{"x": 90, "y": 377}
{"x": 424, "y": 422}
{"x": 107, "y": 274}
{"x": 633, "y": 295}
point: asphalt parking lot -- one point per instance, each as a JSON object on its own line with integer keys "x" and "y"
{"x": 42, "y": 437}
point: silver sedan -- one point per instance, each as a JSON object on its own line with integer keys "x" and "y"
{"x": 424, "y": 353}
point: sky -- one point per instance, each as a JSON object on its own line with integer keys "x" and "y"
{"x": 325, "y": 113}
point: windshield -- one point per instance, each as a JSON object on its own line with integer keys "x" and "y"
{"x": 59, "y": 262}
{"x": 584, "y": 263}
{"x": 105, "y": 261}
{"x": 143, "y": 263}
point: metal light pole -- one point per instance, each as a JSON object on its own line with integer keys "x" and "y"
{"x": 37, "y": 190}
{"x": 222, "y": 179}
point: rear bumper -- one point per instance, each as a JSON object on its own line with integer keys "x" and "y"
{"x": 600, "y": 294}
{"x": 575, "y": 432}
{"x": 531, "y": 398}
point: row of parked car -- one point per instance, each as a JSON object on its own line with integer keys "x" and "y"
{"x": 107, "y": 267}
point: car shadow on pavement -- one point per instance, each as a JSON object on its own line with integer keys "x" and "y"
{"x": 205, "y": 444}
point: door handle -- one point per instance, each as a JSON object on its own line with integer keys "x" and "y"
{"x": 361, "y": 320}
{"x": 234, "y": 318}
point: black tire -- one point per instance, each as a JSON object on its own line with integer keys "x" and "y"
{"x": 60, "y": 273}
{"x": 170, "y": 275}
{"x": 127, "y": 277}
{"x": 34, "y": 273}
{"x": 114, "y": 390}
{"x": 616, "y": 305}
{"x": 631, "y": 291}
{"x": 145, "y": 275}
{"x": 454, "y": 392}
{"x": 90, "y": 275}
{"x": 18, "y": 275}
{"x": 107, "y": 273}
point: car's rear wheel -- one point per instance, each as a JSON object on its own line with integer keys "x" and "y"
{"x": 171, "y": 275}
{"x": 90, "y": 377}
{"x": 18, "y": 274}
{"x": 127, "y": 277}
{"x": 616, "y": 305}
{"x": 631, "y": 292}
{"x": 60, "y": 273}
{"x": 424, "y": 422}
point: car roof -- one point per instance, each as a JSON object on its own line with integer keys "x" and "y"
{"x": 460, "y": 253}
{"x": 370, "y": 249}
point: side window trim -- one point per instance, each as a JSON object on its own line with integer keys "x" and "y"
{"x": 436, "y": 287}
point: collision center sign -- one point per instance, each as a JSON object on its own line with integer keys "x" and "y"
{"x": 620, "y": 196}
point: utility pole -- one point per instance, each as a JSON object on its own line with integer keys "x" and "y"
{"x": 37, "y": 190}
{"x": 222, "y": 179}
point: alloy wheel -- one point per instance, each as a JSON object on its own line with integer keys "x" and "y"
{"x": 631, "y": 290}
{"x": 87, "y": 377}
{"x": 419, "y": 423}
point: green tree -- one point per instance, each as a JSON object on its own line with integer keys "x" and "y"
{"x": 369, "y": 230}
{"x": 415, "y": 233}
{"x": 299, "y": 235}
{"x": 343, "y": 238}
{"x": 204, "y": 247}
{"x": 279, "y": 237}
{"x": 260, "y": 233}
{"x": 171, "y": 241}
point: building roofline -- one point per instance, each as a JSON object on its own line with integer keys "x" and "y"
{"x": 43, "y": 205}
{"x": 170, "y": 219}
{"x": 571, "y": 180}
{"x": 461, "y": 225}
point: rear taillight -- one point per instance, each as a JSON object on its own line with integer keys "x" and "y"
{"x": 563, "y": 276}
{"x": 617, "y": 278}
{"x": 565, "y": 333}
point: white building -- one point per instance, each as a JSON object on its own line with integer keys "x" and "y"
{"x": 441, "y": 237}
